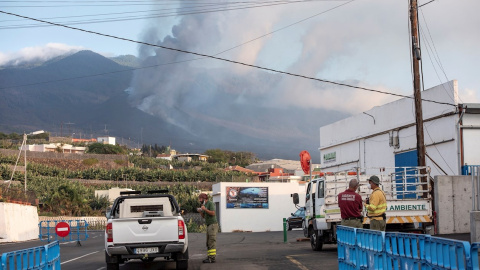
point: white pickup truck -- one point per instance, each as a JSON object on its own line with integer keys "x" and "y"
{"x": 145, "y": 227}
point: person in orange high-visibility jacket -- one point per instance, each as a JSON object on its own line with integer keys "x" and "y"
{"x": 376, "y": 205}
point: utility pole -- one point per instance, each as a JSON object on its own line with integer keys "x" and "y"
{"x": 416, "y": 57}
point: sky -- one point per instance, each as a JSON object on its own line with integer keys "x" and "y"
{"x": 364, "y": 43}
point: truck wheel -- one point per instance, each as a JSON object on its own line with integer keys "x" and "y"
{"x": 112, "y": 262}
{"x": 316, "y": 241}
{"x": 112, "y": 266}
{"x": 181, "y": 260}
{"x": 182, "y": 265}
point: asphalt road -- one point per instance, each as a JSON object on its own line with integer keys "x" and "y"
{"x": 243, "y": 250}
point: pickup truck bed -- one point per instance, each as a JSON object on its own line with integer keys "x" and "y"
{"x": 145, "y": 227}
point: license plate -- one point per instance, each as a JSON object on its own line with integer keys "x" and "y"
{"x": 146, "y": 250}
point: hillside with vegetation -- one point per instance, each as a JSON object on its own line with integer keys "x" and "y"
{"x": 67, "y": 187}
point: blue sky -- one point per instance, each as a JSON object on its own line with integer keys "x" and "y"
{"x": 363, "y": 42}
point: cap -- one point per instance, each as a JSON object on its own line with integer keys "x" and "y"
{"x": 374, "y": 179}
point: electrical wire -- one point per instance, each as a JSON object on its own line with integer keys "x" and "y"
{"x": 425, "y": 128}
{"x": 436, "y": 56}
{"x": 176, "y": 62}
{"x": 426, "y": 3}
{"x": 144, "y": 3}
{"x": 152, "y": 16}
{"x": 438, "y": 76}
{"x": 227, "y": 60}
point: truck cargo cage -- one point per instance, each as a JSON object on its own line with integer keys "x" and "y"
{"x": 158, "y": 191}
{"x": 398, "y": 183}
{"x": 410, "y": 182}
{"x": 126, "y": 193}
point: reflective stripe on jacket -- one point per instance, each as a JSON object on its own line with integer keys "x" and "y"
{"x": 378, "y": 203}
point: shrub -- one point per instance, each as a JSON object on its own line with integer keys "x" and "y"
{"x": 90, "y": 161}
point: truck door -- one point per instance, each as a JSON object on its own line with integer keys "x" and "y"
{"x": 320, "y": 206}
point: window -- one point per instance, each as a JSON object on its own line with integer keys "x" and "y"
{"x": 321, "y": 189}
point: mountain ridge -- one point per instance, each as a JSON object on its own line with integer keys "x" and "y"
{"x": 67, "y": 95}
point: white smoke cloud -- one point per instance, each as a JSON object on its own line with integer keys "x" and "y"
{"x": 37, "y": 54}
{"x": 364, "y": 43}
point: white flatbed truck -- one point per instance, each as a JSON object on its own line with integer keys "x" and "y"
{"x": 408, "y": 194}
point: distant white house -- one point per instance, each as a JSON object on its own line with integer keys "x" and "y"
{"x": 106, "y": 140}
{"x": 190, "y": 157}
{"x": 111, "y": 194}
{"x": 54, "y": 147}
{"x": 167, "y": 156}
{"x": 37, "y": 132}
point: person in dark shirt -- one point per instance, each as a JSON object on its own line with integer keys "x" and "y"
{"x": 207, "y": 211}
{"x": 350, "y": 203}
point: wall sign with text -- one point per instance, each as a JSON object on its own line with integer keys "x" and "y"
{"x": 247, "y": 197}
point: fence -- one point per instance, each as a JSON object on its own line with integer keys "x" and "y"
{"x": 44, "y": 257}
{"x": 78, "y": 230}
{"x": 99, "y": 223}
{"x": 367, "y": 249}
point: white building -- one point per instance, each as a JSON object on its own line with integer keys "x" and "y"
{"x": 190, "y": 157}
{"x": 54, "y": 147}
{"x": 112, "y": 193}
{"x": 385, "y": 136}
{"x": 256, "y": 207}
{"x": 106, "y": 140}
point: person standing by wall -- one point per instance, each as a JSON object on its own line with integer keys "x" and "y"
{"x": 350, "y": 203}
{"x": 376, "y": 205}
{"x": 207, "y": 210}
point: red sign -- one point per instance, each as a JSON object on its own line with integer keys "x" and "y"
{"x": 62, "y": 229}
{"x": 305, "y": 161}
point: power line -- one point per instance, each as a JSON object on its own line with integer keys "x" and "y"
{"x": 177, "y": 62}
{"x": 225, "y": 60}
{"x": 435, "y": 54}
{"x": 426, "y": 3}
{"x": 152, "y": 16}
{"x": 145, "y": 3}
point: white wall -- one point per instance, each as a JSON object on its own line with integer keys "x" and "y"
{"x": 108, "y": 140}
{"x": 453, "y": 202}
{"x": 471, "y": 143}
{"x": 112, "y": 193}
{"x": 257, "y": 220}
{"x": 358, "y": 141}
{"x": 18, "y": 222}
{"x": 389, "y": 116}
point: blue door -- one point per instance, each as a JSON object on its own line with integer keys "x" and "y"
{"x": 406, "y": 159}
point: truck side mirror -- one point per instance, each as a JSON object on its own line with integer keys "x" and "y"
{"x": 295, "y": 198}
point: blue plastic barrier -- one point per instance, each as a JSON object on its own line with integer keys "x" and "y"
{"x": 367, "y": 249}
{"x": 371, "y": 249}
{"x": 44, "y": 257}
{"x": 447, "y": 253}
{"x": 405, "y": 251}
{"x": 347, "y": 247}
{"x": 474, "y": 255}
{"x": 78, "y": 230}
